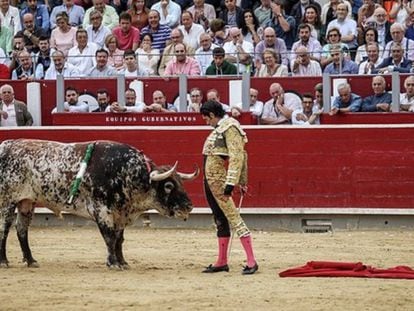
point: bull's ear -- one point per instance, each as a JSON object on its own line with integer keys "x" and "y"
{"x": 189, "y": 176}
{"x": 157, "y": 176}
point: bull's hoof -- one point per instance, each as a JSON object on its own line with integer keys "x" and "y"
{"x": 33, "y": 264}
{"x": 125, "y": 266}
{"x": 115, "y": 267}
{"x": 4, "y": 264}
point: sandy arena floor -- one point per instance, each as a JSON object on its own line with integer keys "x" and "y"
{"x": 166, "y": 264}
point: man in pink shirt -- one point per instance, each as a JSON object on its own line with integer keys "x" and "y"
{"x": 181, "y": 63}
{"x": 127, "y": 35}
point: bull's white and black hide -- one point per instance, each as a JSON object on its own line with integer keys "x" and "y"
{"x": 119, "y": 184}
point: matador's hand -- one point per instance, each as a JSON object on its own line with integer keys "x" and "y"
{"x": 243, "y": 189}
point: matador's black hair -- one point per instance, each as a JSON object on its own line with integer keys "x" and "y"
{"x": 214, "y": 107}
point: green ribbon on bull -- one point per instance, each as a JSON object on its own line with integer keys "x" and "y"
{"x": 82, "y": 169}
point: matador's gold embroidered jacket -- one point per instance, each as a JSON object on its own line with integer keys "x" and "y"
{"x": 228, "y": 140}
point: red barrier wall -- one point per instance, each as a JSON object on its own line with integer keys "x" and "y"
{"x": 368, "y": 118}
{"x": 326, "y": 166}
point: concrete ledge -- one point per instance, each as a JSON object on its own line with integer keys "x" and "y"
{"x": 295, "y": 221}
{"x": 294, "y": 211}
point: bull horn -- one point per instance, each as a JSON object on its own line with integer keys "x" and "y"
{"x": 189, "y": 176}
{"x": 157, "y": 176}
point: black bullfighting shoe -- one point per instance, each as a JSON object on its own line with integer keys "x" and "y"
{"x": 213, "y": 269}
{"x": 250, "y": 270}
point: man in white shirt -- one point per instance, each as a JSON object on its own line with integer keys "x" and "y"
{"x": 170, "y": 12}
{"x": 82, "y": 56}
{"x": 72, "y": 103}
{"x": 97, "y": 32}
{"x": 303, "y": 65}
{"x": 160, "y": 104}
{"x": 204, "y": 54}
{"x": 191, "y": 30}
{"x": 255, "y": 108}
{"x": 102, "y": 69}
{"x": 397, "y": 34}
{"x": 278, "y": 109}
{"x": 131, "y": 69}
{"x": 239, "y": 51}
{"x": 109, "y": 16}
{"x": 264, "y": 13}
{"x": 373, "y": 60}
{"x": 196, "y": 100}
{"x": 60, "y": 67}
{"x": 306, "y": 115}
{"x": 131, "y": 104}
{"x": 306, "y": 40}
{"x": 10, "y": 17}
{"x": 407, "y": 98}
{"x": 213, "y": 94}
{"x": 346, "y": 25}
{"x": 13, "y": 112}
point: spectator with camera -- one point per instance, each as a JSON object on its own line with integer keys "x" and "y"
{"x": 202, "y": 12}
{"x": 18, "y": 46}
{"x": 283, "y": 24}
{"x": 400, "y": 10}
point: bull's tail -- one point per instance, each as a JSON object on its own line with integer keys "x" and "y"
{"x": 5, "y": 148}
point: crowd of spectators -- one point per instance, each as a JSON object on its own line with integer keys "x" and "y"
{"x": 263, "y": 37}
{"x": 280, "y": 109}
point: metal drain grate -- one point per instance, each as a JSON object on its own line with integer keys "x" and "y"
{"x": 317, "y": 225}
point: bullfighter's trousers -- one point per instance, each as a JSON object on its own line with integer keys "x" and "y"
{"x": 223, "y": 207}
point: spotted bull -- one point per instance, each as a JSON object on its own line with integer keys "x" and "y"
{"x": 119, "y": 184}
